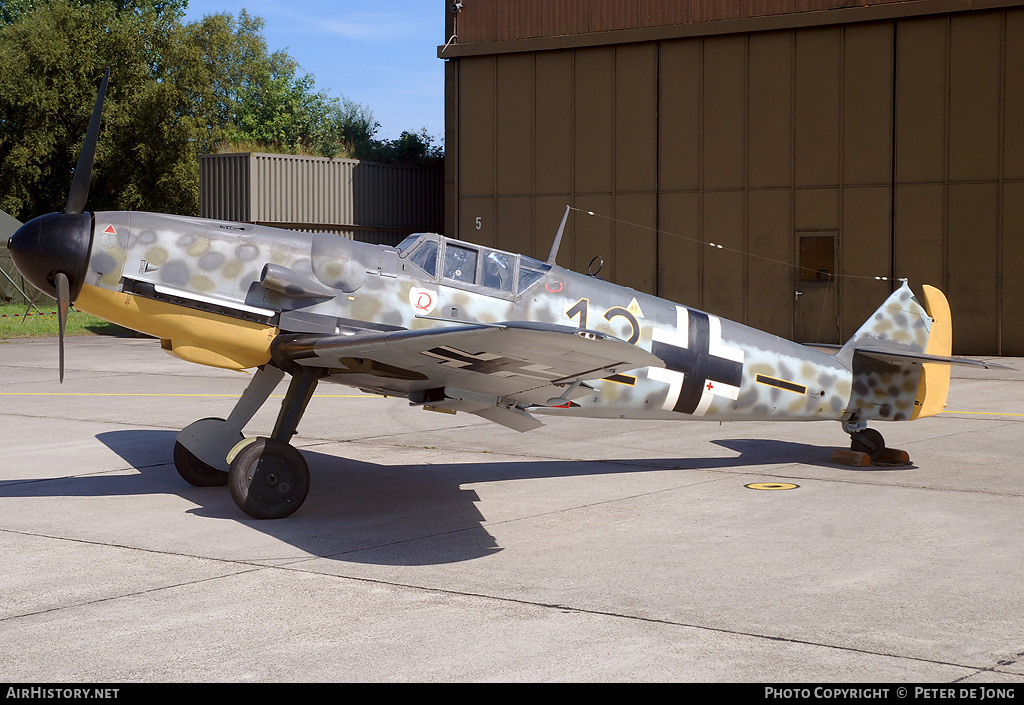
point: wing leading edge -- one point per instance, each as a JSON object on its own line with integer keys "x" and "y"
{"x": 497, "y": 371}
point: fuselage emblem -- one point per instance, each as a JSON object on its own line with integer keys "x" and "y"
{"x": 423, "y": 300}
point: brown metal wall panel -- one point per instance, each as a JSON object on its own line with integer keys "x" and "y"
{"x": 712, "y": 10}
{"x": 679, "y": 250}
{"x": 770, "y": 110}
{"x": 484, "y": 21}
{"x": 867, "y": 103}
{"x": 975, "y": 83}
{"x": 1013, "y": 108}
{"x": 816, "y": 209}
{"x": 636, "y": 117}
{"x": 594, "y": 236}
{"x": 1012, "y": 254}
{"x": 477, "y": 22}
{"x": 973, "y": 262}
{"x": 921, "y": 99}
{"x": 636, "y": 242}
{"x": 724, "y": 274}
{"x": 515, "y": 223}
{"x": 865, "y": 253}
{"x": 477, "y": 221}
{"x": 554, "y": 121}
{"x": 725, "y": 66}
{"x": 594, "y": 110}
{"x": 515, "y": 124}
{"x": 659, "y": 13}
{"x": 451, "y": 148}
{"x": 520, "y": 19}
{"x": 606, "y": 15}
{"x": 769, "y": 271}
{"x": 679, "y": 116}
{"x": 919, "y": 240}
{"x": 817, "y": 101}
{"x": 476, "y": 126}
{"x": 566, "y": 17}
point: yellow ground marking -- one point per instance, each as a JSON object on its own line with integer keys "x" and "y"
{"x": 982, "y": 413}
{"x": 149, "y": 394}
{"x": 771, "y": 486}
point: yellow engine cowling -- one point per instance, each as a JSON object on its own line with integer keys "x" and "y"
{"x": 196, "y": 336}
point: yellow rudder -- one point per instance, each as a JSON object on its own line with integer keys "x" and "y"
{"x": 934, "y": 385}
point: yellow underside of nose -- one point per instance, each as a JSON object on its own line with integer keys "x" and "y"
{"x": 196, "y": 336}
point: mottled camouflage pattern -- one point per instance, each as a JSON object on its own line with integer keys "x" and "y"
{"x": 886, "y": 390}
{"x": 378, "y": 288}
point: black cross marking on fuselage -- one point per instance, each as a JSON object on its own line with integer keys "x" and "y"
{"x": 474, "y": 362}
{"x": 697, "y": 363}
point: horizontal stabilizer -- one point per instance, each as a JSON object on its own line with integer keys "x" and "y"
{"x": 881, "y": 352}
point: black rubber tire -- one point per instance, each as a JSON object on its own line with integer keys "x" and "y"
{"x": 268, "y": 479}
{"x": 863, "y": 440}
{"x": 195, "y": 471}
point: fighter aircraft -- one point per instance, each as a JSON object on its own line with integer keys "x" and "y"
{"x": 451, "y": 326}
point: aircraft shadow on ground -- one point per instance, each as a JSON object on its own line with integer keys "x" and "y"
{"x": 381, "y": 514}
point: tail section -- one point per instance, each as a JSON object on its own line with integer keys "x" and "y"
{"x": 884, "y": 356}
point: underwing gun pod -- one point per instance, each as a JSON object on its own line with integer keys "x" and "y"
{"x": 451, "y": 326}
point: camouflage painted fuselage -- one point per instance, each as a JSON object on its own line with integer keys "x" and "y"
{"x": 218, "y": 293}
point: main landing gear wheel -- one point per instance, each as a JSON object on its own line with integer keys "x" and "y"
{"x": 268, "y": 479}
{"x": 194, "y": 471}
{"x": 868, "y": 441}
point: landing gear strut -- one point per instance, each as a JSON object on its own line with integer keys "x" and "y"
{"x": 268, "y": 478}
{"x": 865, "y": 440}
{"x": 868, "y": 441}
{"x": 867, "y": 447}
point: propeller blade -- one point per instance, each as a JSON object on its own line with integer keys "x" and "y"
{"x": 63, "y": 299}
{"x": 79, "y": 193}
{"x": 31, "y": 305}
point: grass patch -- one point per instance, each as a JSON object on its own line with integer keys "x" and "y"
{"x": 43, "y": 325}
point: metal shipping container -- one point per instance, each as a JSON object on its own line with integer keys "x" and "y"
{"x": 366, "y": 201}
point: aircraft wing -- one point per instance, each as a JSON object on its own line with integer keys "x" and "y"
{"x": 494, "y": 370}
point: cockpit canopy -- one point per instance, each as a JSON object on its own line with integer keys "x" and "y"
{"x": 465, "y": 265}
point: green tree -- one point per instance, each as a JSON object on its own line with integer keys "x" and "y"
{"x": 177, "y": 90}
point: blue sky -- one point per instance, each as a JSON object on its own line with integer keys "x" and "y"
{"x": 382, "y": 54}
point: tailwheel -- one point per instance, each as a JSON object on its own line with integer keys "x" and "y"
{"x": 868, "y": 441}
{"x": 268, "y": 479}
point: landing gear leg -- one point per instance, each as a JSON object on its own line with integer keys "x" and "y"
{"x": 269, "y": 479}
{"x": 202, "y": 447}
{"x": 868, "y": 441}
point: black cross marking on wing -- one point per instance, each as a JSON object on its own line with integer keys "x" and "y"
{"x": 698, "y": 365}
{"x": 488, "y": 364}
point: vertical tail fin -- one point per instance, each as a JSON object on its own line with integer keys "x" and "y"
{"x": 901, "y": 322}
{"x": 890, "y": 379}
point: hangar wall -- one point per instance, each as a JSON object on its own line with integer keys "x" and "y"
{"x": 872, "y": 145}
